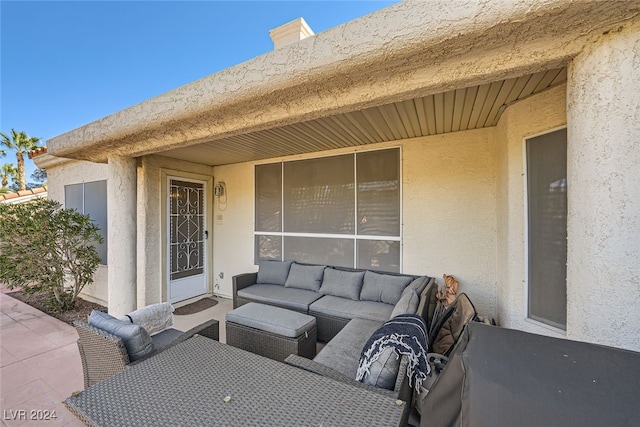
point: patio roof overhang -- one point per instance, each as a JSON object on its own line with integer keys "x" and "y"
{"x": 412, "y": 69}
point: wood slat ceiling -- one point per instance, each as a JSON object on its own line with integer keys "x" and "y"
{"x": 457, "y": 110}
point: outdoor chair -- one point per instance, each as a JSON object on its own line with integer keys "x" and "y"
{"x": 104, "y": 354}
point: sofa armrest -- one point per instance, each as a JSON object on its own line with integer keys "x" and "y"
{"x": 325, "y": 371}
{"x": 402, "y": 388}
{"x": 242, "y": 281}
{"x": 209, "y": 329}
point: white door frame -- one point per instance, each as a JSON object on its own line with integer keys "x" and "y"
{"x": 201, "y": 285}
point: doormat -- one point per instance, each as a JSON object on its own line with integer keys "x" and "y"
{"x": 195, "y": 307}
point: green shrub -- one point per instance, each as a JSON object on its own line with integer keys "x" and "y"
{"x": 44, "y": 248}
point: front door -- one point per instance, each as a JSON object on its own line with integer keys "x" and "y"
{"x": 186, "y": 239}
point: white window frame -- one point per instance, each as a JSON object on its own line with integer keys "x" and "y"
{"x": 354, "y": 236}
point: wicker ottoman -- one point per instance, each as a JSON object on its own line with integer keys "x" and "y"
{"x": 270, "y": 331}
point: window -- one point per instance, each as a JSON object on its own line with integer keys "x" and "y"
{"x": 547, "y": 228}
{"x": 340, "y": 210}
{"x": 90, "y": 198}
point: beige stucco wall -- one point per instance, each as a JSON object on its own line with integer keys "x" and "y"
{"x": 75, "y": 172}
{"x": 407, "y": 50}
{"x": 534, "y": 115}
{"x": 233, "y": 232}
{"x": 603, "y": 269}
{"x": 448, "y": 209}
{"x": 463, "y": 211}
{"x": 152, "y": 252}
{"x": 151, "y": 249}
{"x": 463, "y": 194}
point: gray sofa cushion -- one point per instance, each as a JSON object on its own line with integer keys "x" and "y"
{"x": 305, "y": 277}
{"x": 273, "y": 272}
{"x": 342, "y": 353}
{"x": 384, "y": 370}
{"x": 348, "y": 309}
{"x": 340, "y": 283}
{"x": 383, "y": 287}
{"x": 272, "y": 319}
{"x": 296, "y": 299}
{"x": 408, "y": 304}
{"x": 417, "y": 285}
{"x": 165, "y": 338}
{"x": 136, "y": 339}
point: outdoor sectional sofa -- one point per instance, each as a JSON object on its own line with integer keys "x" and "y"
{"x": 349, "y": 305}
{"x": 333, "y": 295}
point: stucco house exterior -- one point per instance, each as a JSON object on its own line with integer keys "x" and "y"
{"x": 510, "y": 131}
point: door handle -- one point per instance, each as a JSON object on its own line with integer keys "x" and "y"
{"x": 206, "y": 234}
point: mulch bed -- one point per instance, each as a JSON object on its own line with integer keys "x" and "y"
{"x": 81, "y": 311}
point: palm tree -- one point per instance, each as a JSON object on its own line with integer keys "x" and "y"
{"x": 8, "y": 171}
{"x": 21, "y": 143}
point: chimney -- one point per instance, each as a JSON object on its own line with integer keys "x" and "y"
{"x": 290, "y": 32}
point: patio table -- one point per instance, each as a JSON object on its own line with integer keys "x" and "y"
{"x": 204, "y": 382}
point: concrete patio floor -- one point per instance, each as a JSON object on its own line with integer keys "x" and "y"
{"x": 40, "y": 364}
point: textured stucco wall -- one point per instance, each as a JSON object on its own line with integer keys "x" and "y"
{"x": 233, "y": 233}
{"x": 604, "y": 192}
{"x": 448, "y": 213}
{"x": 76, "y": 172}
{"x": 414, "y": 48}
{"x": 534, "y": 115}
{"x": 122, "y": 220}
{"x": 152, "y": 250}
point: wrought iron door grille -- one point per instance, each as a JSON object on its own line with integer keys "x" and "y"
{"x": 187, "y": 240}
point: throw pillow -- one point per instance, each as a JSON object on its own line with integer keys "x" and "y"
{"x": 383, "y": 287}
{"x": 136, "y": 339}
{"x": 305, "y": 277}
{"x": 383, "y": 372}
{"x": 408, "y": 304}
{"x": 341, "y": 283}
{"x": 273, "y": 272}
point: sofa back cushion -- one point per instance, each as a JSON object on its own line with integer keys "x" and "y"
{"x": 417, "y": 285}
{"x": 408, "y": 304}
{"x": 273, "y": 272}
{"x": 383, "y": 287}
{"x": 305, "y": 277}
{"x": 341, "y": 283}
{"x": 136, "y": 339}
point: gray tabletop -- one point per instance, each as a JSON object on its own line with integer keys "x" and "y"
{"x": 204, "y": 382}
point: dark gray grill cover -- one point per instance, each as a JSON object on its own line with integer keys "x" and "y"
{"x": 503, "y": 377}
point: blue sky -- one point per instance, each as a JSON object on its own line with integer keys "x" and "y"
{"x": 66, "y": 64}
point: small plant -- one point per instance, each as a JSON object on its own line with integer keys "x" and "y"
{"x": 44, "y": 248}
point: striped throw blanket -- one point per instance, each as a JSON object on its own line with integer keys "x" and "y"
{"x": 407, "y": 335}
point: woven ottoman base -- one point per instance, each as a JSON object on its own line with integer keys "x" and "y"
{"x": 271, "y": 345}
{"x": 272, "y": 332}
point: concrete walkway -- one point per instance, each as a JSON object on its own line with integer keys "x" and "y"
{"x": 40, "y": 364}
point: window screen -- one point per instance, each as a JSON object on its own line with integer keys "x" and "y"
{"x": 379, "y": 193}
{"x": 319, "y": 250}
{"x": 269, "y": 197}
{"x": 90, "y": 198}
{"x": 314, "y": 210}
{"x": 379, "y": 255}
{"x": 319, "y": 195}
{"x": 547, "y": 227}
